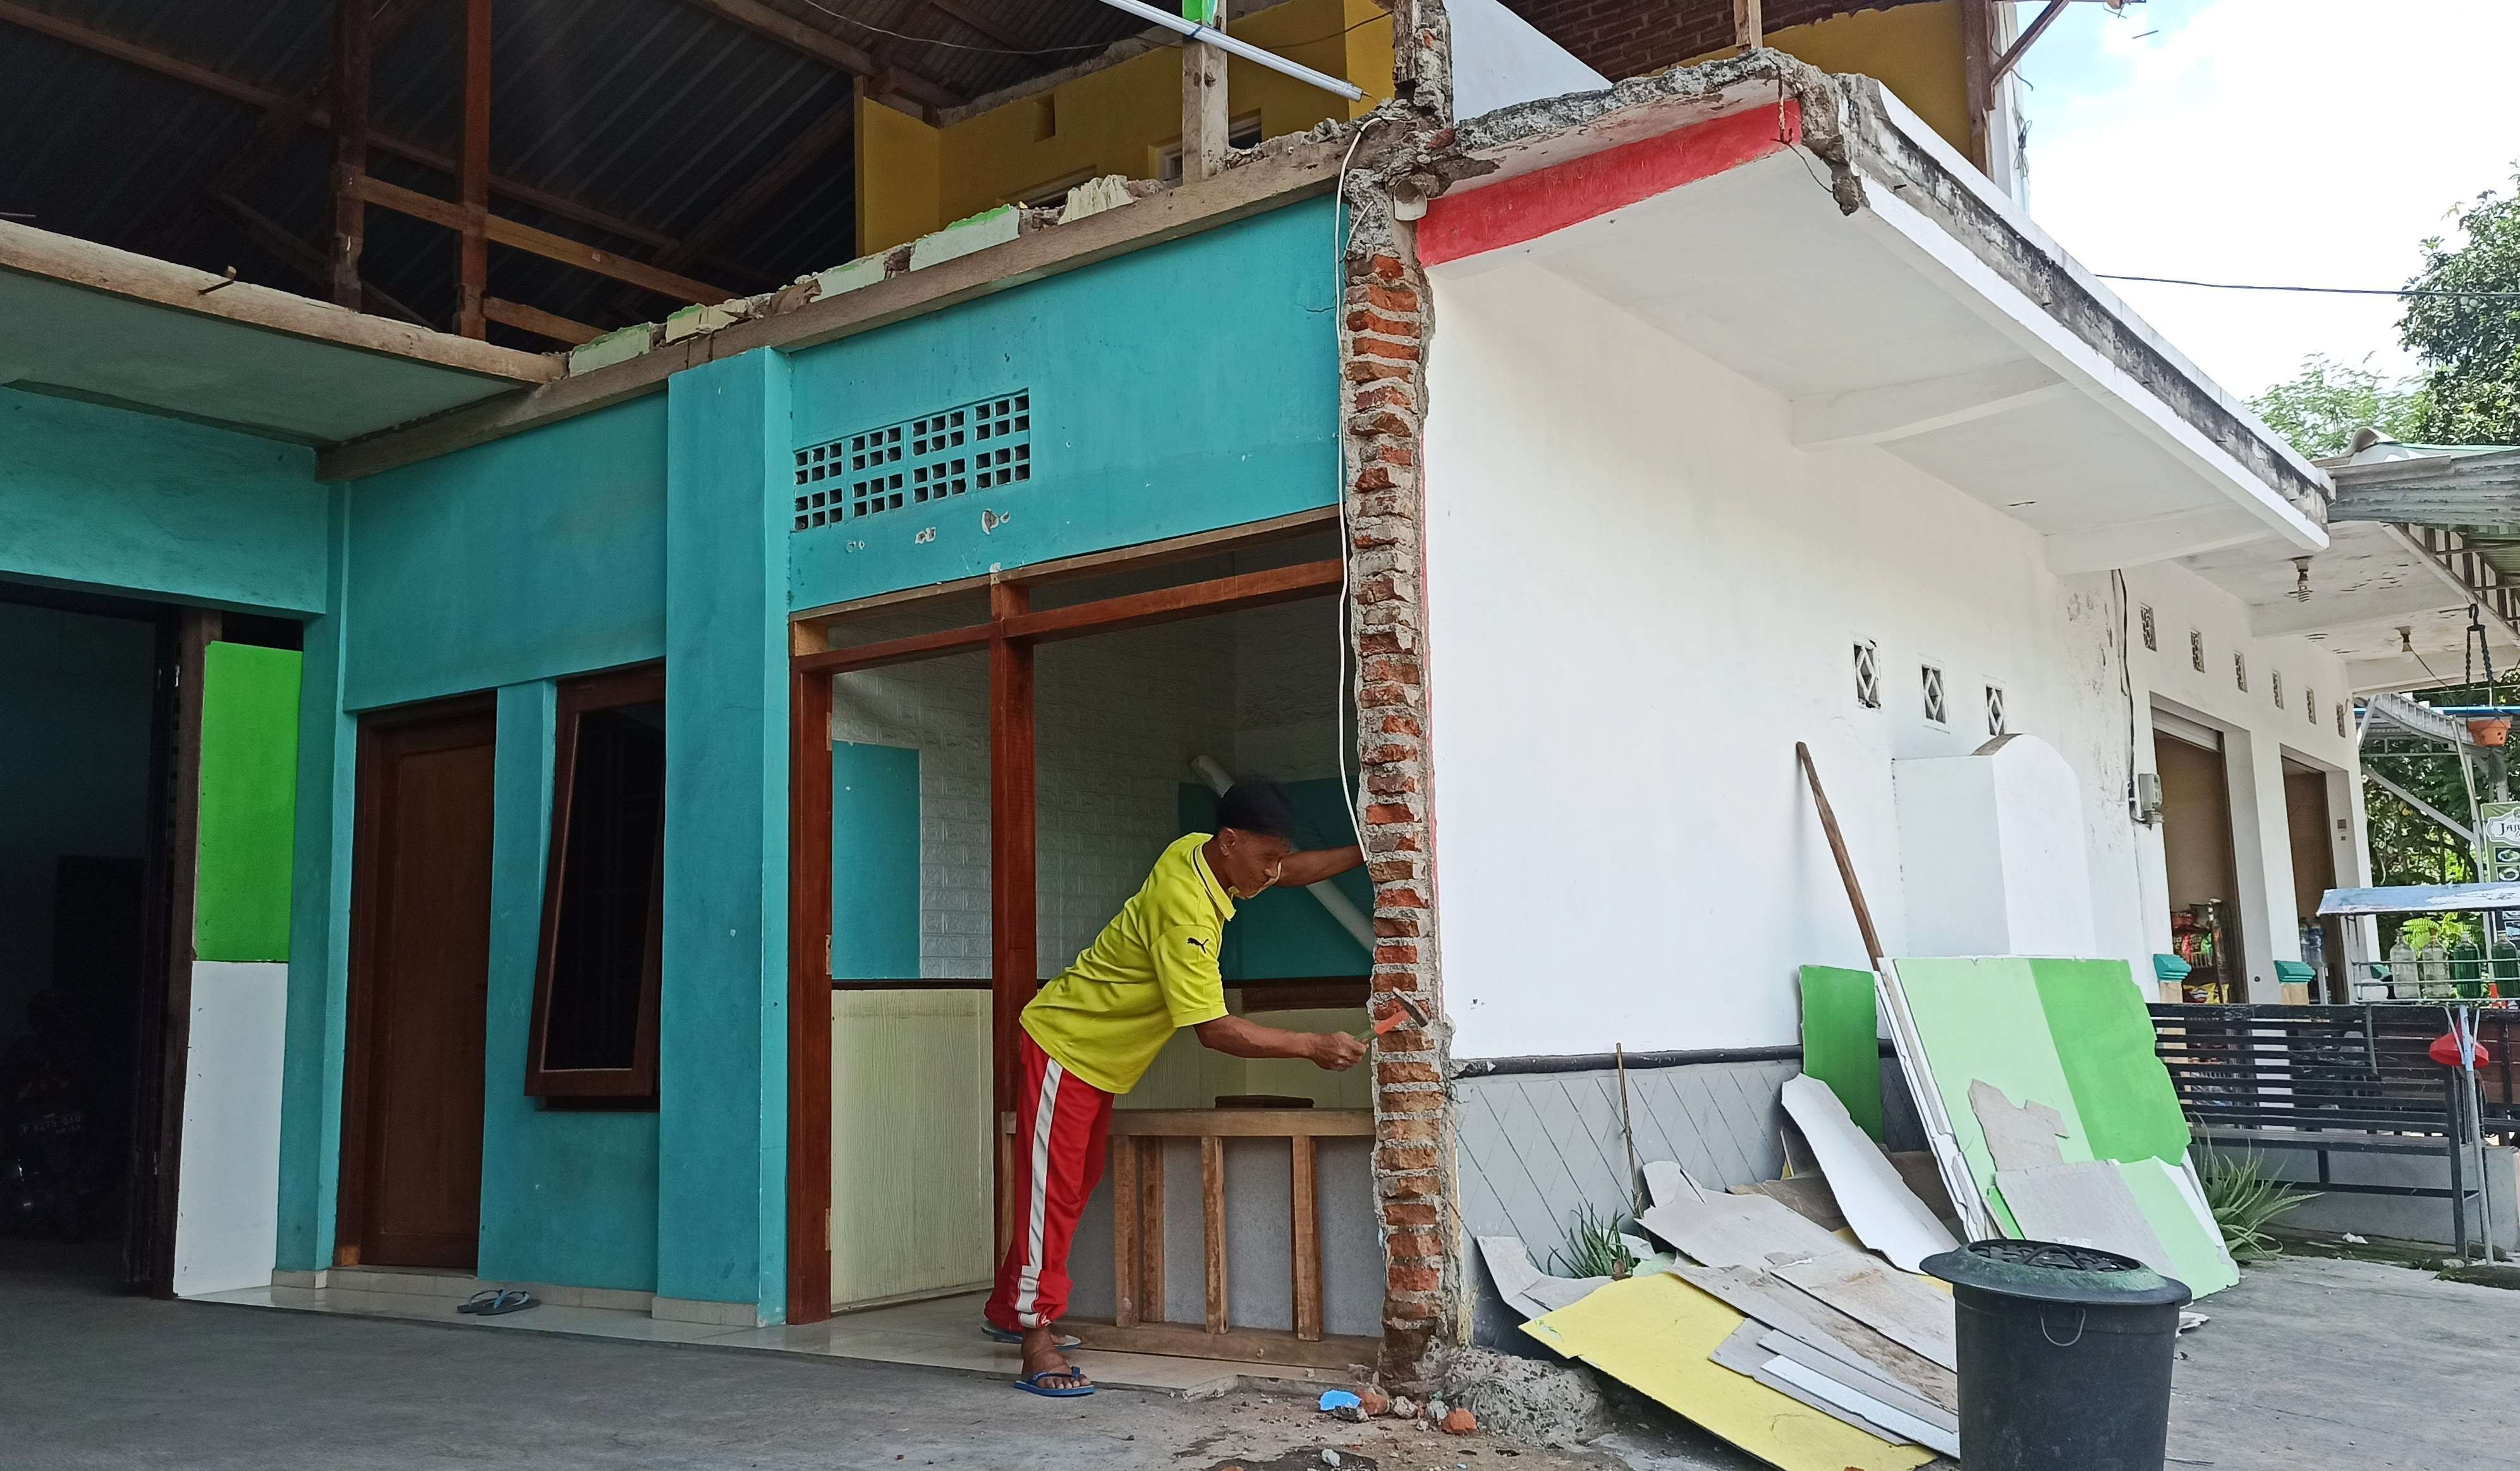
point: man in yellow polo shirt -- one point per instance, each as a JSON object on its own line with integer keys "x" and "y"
{"x": 1091, "y": 1033}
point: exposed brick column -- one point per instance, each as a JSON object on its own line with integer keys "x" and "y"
{"x": 1382, "y": 339}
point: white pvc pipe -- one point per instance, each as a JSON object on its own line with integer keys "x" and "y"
{"x": 1325, "y": 891}
{"x": 1252, "y": 54}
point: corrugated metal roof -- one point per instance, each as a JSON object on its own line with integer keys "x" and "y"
{"x": 655, "y": 112}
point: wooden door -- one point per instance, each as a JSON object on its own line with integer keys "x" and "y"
{"x": 419, "y": 937}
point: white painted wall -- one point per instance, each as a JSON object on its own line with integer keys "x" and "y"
{"x": 1498, "y": 60}
{"x": 2314, "y": 726}
{"x": 227, "y": 1202}
{"x": 1640, "y": 597}
{"x": 1995, "y": 851}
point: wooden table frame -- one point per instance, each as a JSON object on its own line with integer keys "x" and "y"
{"x": 1138, "y": 1257}
{"x": 1007, "y": 634}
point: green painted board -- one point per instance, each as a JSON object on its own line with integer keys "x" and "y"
{"x": 2104, "y": 1041}
{"x": 2195, "y": 1243}
{"x": 1982, "y": 1019}
{"x": 1842, "y": 1040}
{"x": 248, "y": 802}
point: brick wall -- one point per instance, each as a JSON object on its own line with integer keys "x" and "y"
{"x": 1383, "y": 331}
{"x": 1623, "y": 38}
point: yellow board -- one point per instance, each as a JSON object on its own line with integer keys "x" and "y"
{"x": 1654, "y": 1334}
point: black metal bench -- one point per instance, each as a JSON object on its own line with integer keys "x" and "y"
{"x": 2352, "y": 1079}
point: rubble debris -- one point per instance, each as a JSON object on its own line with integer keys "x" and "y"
{"x": 1458, "y": 1421}
{"x": 1527, "y": 1400}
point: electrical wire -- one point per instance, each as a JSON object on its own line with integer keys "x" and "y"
{"x": 900, "y": 35}
{"x": 2322, "y": 290}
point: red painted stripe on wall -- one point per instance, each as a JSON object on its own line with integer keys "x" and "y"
{"x": 1461, "y": 225}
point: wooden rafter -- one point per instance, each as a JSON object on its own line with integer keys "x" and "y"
{"x": 351, "y": 58}
{"x": 472, "y": 174}
{"x": 306, "y": 259}
{"x": 317, "y": 118}
{"x": 964, "y": 15}
{"x": 805, "y": 152}
{"x": 542, "y": 242}
{"x": 2020, "y": 47}
{"x": 822, "y": 46}
{"x": 535, "y": 320}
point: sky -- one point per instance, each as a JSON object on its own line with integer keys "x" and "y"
{"x": 2291, "y": 142}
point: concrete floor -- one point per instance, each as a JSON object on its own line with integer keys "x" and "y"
{"x": 2306, "y": 1363}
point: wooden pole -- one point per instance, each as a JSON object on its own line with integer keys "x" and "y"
{"x": 472, "y": 174}
{"x": 1749, "y": 27}
{"x": 1838, "y": 849}
{"x": 351, "y": 54}
{"x": 1977, "y": 78}
{"x": 1013, "y": 946}
{"x": 1206, "y": 113}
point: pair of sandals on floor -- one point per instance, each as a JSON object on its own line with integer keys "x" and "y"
{"x": 1031, "y": 1384}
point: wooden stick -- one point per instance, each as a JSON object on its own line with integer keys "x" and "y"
{"x": 351, "y": 54}
{"x": 1126, "y": 1270}
{"x": 1212, "y": 1209}
{"x": 472, "y": 174}
{"x": 1838, "y": 849}
{"x": 1307, "y": 1241}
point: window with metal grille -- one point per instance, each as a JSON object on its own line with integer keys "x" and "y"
{"x": 2240, "y": 672}
{"x": 2340, "y": 720}
{"x": 1932, "y": 679}
{"x": 935, "y": 457}
{"x": 1995, "y": 725}
{"x": 1868, "y": 675}
{"x": 2151, "y": 633}
{"x": 2196, "y": 651}
{"x": 2309, "y": 705}
{"x": 2274, "y": 681}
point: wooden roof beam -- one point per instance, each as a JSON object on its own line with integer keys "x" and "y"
{"x": 249, "y": 94}
{"x": 822, "y": 46}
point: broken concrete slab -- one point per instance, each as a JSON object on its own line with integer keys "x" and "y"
{"x": 617, "y": 346}
{"x": 840, "y": 279}
{"x": 978, "y": 231}
{"x": 1094, "y": 195}
{"x": 1741, "y": 1230}
{"x": 691, "y": 321}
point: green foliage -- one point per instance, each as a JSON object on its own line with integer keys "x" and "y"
{"x": 2444, "y": 930}
{"x": 2407, "y": 847}
{"x": 1593, "y": 1248}
{"x": 2470, "y": 346}
{"x": 2319, "y": 408}
{"x": 2245, "y": 1202}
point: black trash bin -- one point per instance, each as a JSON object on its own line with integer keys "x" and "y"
{"x": 2064, "y": 1356}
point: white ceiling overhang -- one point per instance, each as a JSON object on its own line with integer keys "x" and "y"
{"x": 1884, "y": 331}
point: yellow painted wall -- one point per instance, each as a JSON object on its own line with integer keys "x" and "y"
{"x": 912, "y": 178}
{"x": 1913, "y": 50}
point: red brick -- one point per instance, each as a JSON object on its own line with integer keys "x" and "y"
{"x": 1359, "y": 371}
{"x": 1383, "y": 755}
{"x": 1412, "y": 1244}
{"x": 1389, "y": 268}
{"x": 1425, "y": 1102}
{"x": 1373, "y": 477}
{"x": 1401, "y": 724}
{"x": 1406, "y": 1072}
{"x": 1376, "y": 347}
{"x": 1375, "y": 322}
{"x": 1415, "y": 1279}
{"x": 1388, "y": 784}
{"x": 1391, "y": 298}
{"x": 1394, "y": 924}
{"x": 1404, "y": 1040}
{"x": 1410, "y": 1129}
{"x": 1404, "y": 1213}
{"x": 1385, "y": 396}
{"x": 1387, "y": 813}
{"x": 1405, "y": 670}
{"x": 1395, "y": 955}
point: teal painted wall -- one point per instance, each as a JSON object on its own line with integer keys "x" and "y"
{"x": 319, "y": 935}
{"x": 1176, "y": 389}
{"x": 567, "y": 1195}
{"x": 105, "y": 497}
{"x": 1286, "y": 934}
{"x": 874, "y": 862}
{"x": 722, "y": 1064}
{"x": 525, "y": 558}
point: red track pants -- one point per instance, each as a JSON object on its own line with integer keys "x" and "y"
{"x": 1062, "y": 1127}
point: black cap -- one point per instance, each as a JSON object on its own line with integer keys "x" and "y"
{"x": 1260, "y": 808}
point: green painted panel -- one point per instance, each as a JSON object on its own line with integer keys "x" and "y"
{"x": 2104, "y": 1042}
{"x": 1842, "y": 1040}
{"x": 1284, "y": 934}
{"x": 248, "y": 802}
{"x": 2197, "y": 1257}
{"x": 1981, "y": 1019}
{"x": 875, "y": 862}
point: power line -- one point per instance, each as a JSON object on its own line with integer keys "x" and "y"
{"x": 2323, "y": 290}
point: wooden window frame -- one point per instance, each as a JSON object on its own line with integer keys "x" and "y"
{"x": 639, "y": 684}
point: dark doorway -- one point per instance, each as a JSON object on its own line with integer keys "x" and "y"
{"x": 2311, "y": 824}
{"x": 2203, "y": 868}
{"x": 420, "y": 943}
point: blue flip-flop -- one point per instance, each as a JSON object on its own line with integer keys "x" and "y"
{"x": 1031, "y": 1384}
{"x": 996, "y": 1334}
{"x": 493, "y": 1303}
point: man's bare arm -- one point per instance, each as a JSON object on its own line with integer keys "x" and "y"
{"x": 1241, "y": 1037}
{"x": 1301, "y": 869}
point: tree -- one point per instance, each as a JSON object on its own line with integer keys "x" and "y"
{"x": 2319, "y": 408}
{"x": 2470, "y": 346}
